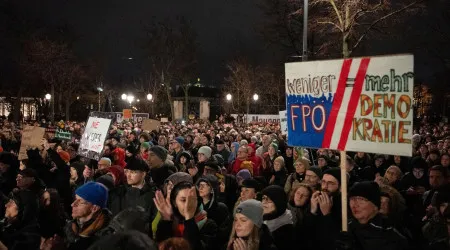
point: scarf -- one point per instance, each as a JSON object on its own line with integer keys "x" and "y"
{"x": 200, "y": 218}
{"x": 284, "y": 219}
{"x": 89, "y": 228}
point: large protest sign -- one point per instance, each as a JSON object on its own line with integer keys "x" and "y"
{"x": 283, "y": 122}
{"x": 360, "y": 104}
{"x": 31, "y": 138}
{"x": 93, "y": 139}
{"x": 63, "y": 134}
{"x": 150, "y": 125}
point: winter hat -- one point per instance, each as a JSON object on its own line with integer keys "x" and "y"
{"x": 335, "y": 172}
{"x": 79, "y": 167}
{"x": 27, "y": 205}
{"x": 186, "y": 155}
{"x": 220, "y": 160}
{"x": 251, "y": 183}
{"x": 180, "y": 140}
{"x": 207, "y": 151}
{"x": 160, "y": 152}
{"x": 64, "y": 156}
{"x": 367, "y": 189}
{"x": 277, "y": 195}
{"x": 211, "y": 165}
{"x": 94, "y": 193}
{"x": 244, "y": 174}
{"x": 179, "y": 177}
{"x": 252, "y": 209}
{"x": 145, "y": 145}
{"x": 418, "y": 162}
{"x": 118, "y": 173}
{"x": 317, "y": 171}
{"x": 106, "y": 180}
{"x": 137, "y": 164}
{"x": 275, "y": 146}
{"x": 220, "y": 142}
{"x": 28, "y": 172}
{"x": 325, "y": 157}
{"x": 132, "y": 218}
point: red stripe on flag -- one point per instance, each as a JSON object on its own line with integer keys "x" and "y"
{"x": 353, "y": 103}
{"x": 337, "y": 101}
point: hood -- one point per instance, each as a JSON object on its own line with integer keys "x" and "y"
{"x": 179, "y": 177}
{"x": 214, "y": 184}
{"x": 233, "y": 154}
{"x": 28, "y": 205}
{"x": 121, "y": 156}
{"x": 79, "y": 167}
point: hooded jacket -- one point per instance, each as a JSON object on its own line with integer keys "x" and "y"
{"x": 230, "y": 196}
{"x": 120, "y": 153}
{"x": 216, "y": 210}
{"x": 23, "y": 231}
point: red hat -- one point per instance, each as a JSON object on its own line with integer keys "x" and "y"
{"x": 64, "y": 156}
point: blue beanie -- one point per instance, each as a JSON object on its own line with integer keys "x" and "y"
{"x": 94, "y": 193}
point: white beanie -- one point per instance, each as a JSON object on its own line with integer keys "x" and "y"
{"x": 207, "y": 151}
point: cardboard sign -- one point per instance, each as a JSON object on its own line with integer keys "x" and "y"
{"x": 283, "y": 122}
{"x": 63, "y": 134}
{"x": 127, "y": 114}
{"x": 360, "y": 104}
{"x": 31, "y": 138}
{"x": 94, "y": 136}
{"x": 164, "y": 119}
{"x": 150, "y": 125}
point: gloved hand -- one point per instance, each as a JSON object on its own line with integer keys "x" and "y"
{"x": 345, "y": 241}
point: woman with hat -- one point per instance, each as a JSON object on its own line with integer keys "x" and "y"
{"x": 301, "y": 166}
{"x": 277, "y": 217}
{"x": 183, "y": 216}
{"x": 248, "y": 231}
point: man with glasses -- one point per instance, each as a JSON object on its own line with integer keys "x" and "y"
{"x": 177, "y": 146}
{"x": 89, "y": 215}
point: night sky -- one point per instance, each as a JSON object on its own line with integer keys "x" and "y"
{"x": 112, "y": 31}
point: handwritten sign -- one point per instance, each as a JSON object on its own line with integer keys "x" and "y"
{"x": 31, "y": 138}
{"x": 360, "y": 104}
{"x": 63, "y": 134}
{"x": 94, "y": 136}
{"x": 150, "y": 125}
{"x": 127, "y": 114}
{"x": 283, "y": 122}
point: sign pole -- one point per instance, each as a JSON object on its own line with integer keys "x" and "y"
{"x": 344, "y": 190}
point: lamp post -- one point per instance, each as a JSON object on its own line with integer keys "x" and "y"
{"x": 229, "y": 97}
{"x": 100, "y": 90}
{"x": 255, "y": 98}
{"x": 48, "y": 97}
{"x": 150, "y": 99}
{"x": 130, "y": 99}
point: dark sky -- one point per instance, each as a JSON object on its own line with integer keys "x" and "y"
{"x": 114, "y": 30}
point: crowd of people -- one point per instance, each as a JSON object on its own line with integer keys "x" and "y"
{"x": 205, "y": 185}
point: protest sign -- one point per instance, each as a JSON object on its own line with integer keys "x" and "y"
{"x": 118, "y": 116}
{"x": 93, "y": 139}
{"x": 127, "y": 114}
{"x": 360, "y": 104}
{"x": 31, "y": 138}
{"x": 259, "y": 118}
{"x": 164, "y": 119}
{"x": 150, "y": 125}
{"x": 63, "y": 134}
{"x": 283, "y": 122}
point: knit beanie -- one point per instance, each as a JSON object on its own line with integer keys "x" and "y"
{"x": 137, "y": 164}
{"x": 207, "y": 151}
{"x": 106, "y": 180}
{"x": 367, "y": 189}
{"x": 186, "y": 155}
{"x": 180, "y": 140}
{"x": 277, "y": 195}
{"x": 160, "y": 152}
{"x": 94, "y": 193}
{"x": 317, "y": 171}
{"x": 274, "y": 146}
{"x": 179, "y": 177}
{"x": 252, "y": 209}
{"x": 251, "y": 183}
{"x": 145, "y": 145}
{"x": 335, "y": 172}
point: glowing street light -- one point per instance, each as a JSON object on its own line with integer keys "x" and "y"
{"x": 149, "y": 97}
{"x": 255, "y": 97}
{"x": 48, "y": 97}
{"x": 229, "y": 96}
{"x": 124, "y": 97}
{"x": 130, "y": 98}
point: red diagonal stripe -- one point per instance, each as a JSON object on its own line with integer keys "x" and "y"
{"x": 353, "y": 103}
{"x": 337, "y": 101}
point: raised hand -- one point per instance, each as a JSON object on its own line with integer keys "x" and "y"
{"x": 325, "y": 203}
{"x": 191, "y": 204}
{"x": 163, "y": 205}
{"x": 315, "y": 202}
{"x": 239, "y": 244}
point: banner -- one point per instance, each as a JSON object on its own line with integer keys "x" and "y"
{"x": 204, "y": 110}
{"x": 259, "y": 118}
{"x": 63, "y": 134}
{"x": 283, "y": 122}
{"x": 93, "y": 139}
{"x": 178, "y": 110}
{"x": 127, "y": 114}
{"x": 118, "y": 116}
{"x": 360, "y": 104}
{"x": 31, "y": 138}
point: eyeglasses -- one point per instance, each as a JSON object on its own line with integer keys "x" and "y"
{"x": 79, "y": 202}
{"x": 202, "y": 185}
{"x": 266, "y": 199}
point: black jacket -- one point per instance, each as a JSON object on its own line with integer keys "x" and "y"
{"x": 159, "y": 175}
{"x": 282, "y": 231}
{"x": 20, "y": 237}
{"x": 375, "y": 235}
{"x": 203, "y": 239}
{"x": 125, "y": 197}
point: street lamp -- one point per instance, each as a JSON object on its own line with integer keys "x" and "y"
{"x": 100, "y": 90}
{"x": 255, "y": 97}
{"x": 149, "y": 97}
{"x": 124, "y": 97}
{"x": 229, "y": 96}
{"x": 130, "y": 99}
{"x": 48, "y": 97}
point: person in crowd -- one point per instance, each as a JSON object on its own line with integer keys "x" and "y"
{"x": 177, "y": 146}
{"x": 51, "y": 214}
{"x": 248, "y": 230}
{"x": 143, "y": 152}
{"x": 137, "y": 192}
{"x": 76, "y": 176}
{"x": 323, "y": 162}
{"x": 134, "y": 142}
{"x": 256, "y": 160}
{"x": 183, "y": 216}
{"x": 279, "y": 175}
{"x": 103, "y": 166}
{"x": 119, "y": 157}
{"x": 289, "y": 159}
{"x": 438, "y": 177}
{"x": 185, "y": 162}
{"x": 126, "y": 240}
{"x": 174, "y": 244}
{"x": 223, "y": 151}
{"x": 20, "y": 229}
{"x": 433, "y": 158}
{"x": 436, "y": 230}
{"x": 313, "y": 177}
{"x": 242, "y": 156}
{"x": 393, "y": 207}
{"x": 301, "y": 166}
{"x": 118, "y": 176}
{"x": 233, "y": 153}
{"x": 89, "y": 214}
{"x": 268, "y": 161}
{"x": 326, "y": 209}
{"x": 228, "y": 191}
{"x": 159, "y": 169}
{"x": 379, "y": 165}
{"x": 9, "y": 165}
{"x": 264, "y": 148}
{"x": 208, "y": 189}
{"x": 445, "y": 160}
{"x": 368, "y": 230}
{"x": 28, "y": 179}
{"x": 394, "y": 175}
{"x": 277, "y": 217}
{"x": 400, "y": 162}
{"x": 362, "y": 159}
